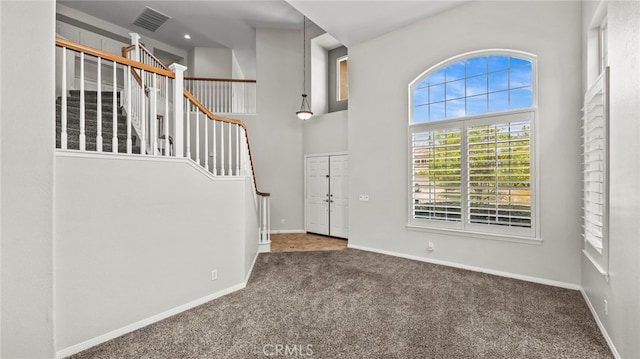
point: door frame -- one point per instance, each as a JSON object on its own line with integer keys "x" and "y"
{"x": 304, "y": 179}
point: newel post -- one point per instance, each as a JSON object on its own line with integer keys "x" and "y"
{"x": 178, "y": 111}
{"x": 135, "y": 40}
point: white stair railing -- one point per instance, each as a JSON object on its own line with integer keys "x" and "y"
{"x": 117, "y": 81}
{"x": 224, "y": 95}
{"x": 185, "y": 128}
{"x": 226, "y": 143}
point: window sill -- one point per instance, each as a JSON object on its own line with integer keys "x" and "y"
{"x": 596, "y": 265}
{"x": 477, "y": 235}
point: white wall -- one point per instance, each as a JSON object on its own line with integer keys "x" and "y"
{"x": 135, "y": 238}
{"x": 275, "y": 132}
{"x": 379, "y": 73}
{"x": 210, "y": 62}
{"x": 622, "y": 291}
{"x": 26, "y": 178}
{"x": 325, "y": 133}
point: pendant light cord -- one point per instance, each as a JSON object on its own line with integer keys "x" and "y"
{"x": 304, "y": 54}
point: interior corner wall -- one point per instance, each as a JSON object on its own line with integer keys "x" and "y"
{"x": 380, "y": 71}
{"x": 275, "y": 133}
{"x": 27, "y": 172}
{"x": 236, "y": 69}
{"x": 319, "y": 73}
{"x": 622, "y": 290}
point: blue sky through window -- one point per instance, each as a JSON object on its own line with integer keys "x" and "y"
{"x": 474, "y": 86}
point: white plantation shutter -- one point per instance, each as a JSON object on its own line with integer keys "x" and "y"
{"x": 436, "y": 175}
{"x": 499, "y": 162}
{"x": 595, "y": 171}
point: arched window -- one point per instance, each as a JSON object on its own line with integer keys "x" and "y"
{"x": 471, "y": 144}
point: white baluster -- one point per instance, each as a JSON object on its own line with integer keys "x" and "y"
{"x": 82, "y": 138}
{"x": 230, "y": 154}
{"x": 142, "y": 119}
{"x": 215, "y": 148}
{"x": 167, "y": 144}
{"x": 114, "y": 119}
{"x": 154, "y": 118}
{"x": 268, "y": 223}
{"x": 198, "y": 136}
{"x": 129, "y": 89}
{"x": 218, "y": 95}
{"x": 222, "y": 172}
{"x": 228, "y": 102}
{"x": 99, "y": 107}
{"x": 188, "y": 119}
{"x": 206, "y": 143}
{"x": 237, "y": 150}
{"x": 244, "y": 151}
{"x": 263, "y": 202}
{"x": 63, "y": 105}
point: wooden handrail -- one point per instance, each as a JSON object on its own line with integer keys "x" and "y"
{"x": 219, "y": 80}
{"x": 127, "y": 49}
{"x": 213, "y": 117}
{"x": 115, "y": 58}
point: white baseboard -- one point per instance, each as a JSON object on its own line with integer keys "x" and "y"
{"x": 471, "y": 268}
{"x": 606, "y": 336}
{"x": 283, "y": 231}
{"x": 246, "y": 278}
{"x": 143, "y": 323}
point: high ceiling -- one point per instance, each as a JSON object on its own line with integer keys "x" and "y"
{"x": 232, "y": 24}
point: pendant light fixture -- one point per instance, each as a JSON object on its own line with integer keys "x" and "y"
{"x": 305, "y": 110}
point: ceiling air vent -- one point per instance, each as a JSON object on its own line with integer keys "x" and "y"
{"x": 151, "y": 19}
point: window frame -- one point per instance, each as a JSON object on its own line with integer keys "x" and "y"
{"x": 338, "y": 79}
{"x": 527, "y": 235}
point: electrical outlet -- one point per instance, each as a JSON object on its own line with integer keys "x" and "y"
{"x": 214, "y": 274}
{"x": 282, "y": 221}
{"x": 430, "y": 247}
{"x": 606, "y": 307}
{"x": 363, "y": 198}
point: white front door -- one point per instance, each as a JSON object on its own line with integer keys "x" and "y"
{"x": 327, "y": 199}
{"x": 338, "y": 196}
{"x": 316, "y": 200}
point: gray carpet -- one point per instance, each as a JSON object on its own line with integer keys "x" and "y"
{"x": 355, "y": 304}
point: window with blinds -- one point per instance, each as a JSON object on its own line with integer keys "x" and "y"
{"x": 437, "y": 175}
{"x": 471, "y": 145}
{"x": 499, "y": 167}
{"x": 595, "y": 171}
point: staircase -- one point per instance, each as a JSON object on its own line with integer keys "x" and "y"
{"x": 91, "y": 124}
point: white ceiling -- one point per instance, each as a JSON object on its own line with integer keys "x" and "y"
{"x": 355, "y": 21}
{"x": 232, "y": 24}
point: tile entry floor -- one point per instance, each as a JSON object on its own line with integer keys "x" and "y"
{"x": 299, "y": 242}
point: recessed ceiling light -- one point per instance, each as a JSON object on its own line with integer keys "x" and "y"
{"x": 187, "y": 36}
